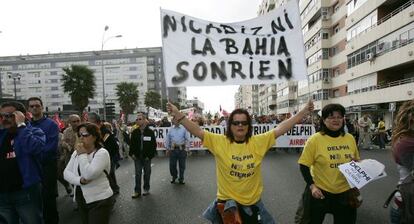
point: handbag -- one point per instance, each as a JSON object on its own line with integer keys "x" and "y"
{"x": 354, "y": 198}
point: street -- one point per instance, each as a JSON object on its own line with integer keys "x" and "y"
{"x": 173, "y": 203}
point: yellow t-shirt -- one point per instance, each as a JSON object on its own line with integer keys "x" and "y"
{"x": 238, "y": 166}
{"x": 323, "y": 154}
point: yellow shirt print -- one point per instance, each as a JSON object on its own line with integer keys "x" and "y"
{"x": 238, "y": 166}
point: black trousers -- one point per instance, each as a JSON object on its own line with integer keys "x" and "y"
{"x": 335, "y": 204}
{"x": 49, "y": 191}
{"x": 97, "y": 212}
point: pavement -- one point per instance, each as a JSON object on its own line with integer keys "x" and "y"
{"x": 184, "y": 204}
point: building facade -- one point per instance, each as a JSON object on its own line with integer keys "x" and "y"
{"x": 40, "y": 75}
{"x": 359, "y": 53}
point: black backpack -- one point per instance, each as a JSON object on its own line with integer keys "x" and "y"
{"x": 406, "y": 189}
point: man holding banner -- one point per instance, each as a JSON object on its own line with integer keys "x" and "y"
{"x": 239, "y": 157}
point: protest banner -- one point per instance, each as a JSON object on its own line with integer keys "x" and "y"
{"x": 296, "y": 137}
{"x": 264, "y": 50}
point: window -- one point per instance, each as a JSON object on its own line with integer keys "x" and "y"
{"x": 325, "y": 35}
{"x": 54, "y": 88}
{"x": 404, "y": 38}
{"x": 336, "y": 7}
{"x": 411, "y": 34}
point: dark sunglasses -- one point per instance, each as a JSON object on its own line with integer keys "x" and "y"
{"x": 6, "y": 115}
{"x": 83, "y": 135}
{"x": 237, "y": 123}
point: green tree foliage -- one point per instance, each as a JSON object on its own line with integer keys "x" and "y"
{"x": 153, "y": 99}
{"x": 79, "y": 82}
{"x": 127, "y": 93}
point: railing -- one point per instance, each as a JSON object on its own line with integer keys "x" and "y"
{"x": 395, "y": 12}
{"x": 385, "y": 18}
{"x": 396, "y": 83}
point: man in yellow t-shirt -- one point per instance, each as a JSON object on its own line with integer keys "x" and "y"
{"x": 238, "y": 157}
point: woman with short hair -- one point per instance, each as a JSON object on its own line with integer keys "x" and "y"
{"x": 324, "y": 151}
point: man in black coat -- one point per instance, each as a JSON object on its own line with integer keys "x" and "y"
{"x": 142, "y": 149}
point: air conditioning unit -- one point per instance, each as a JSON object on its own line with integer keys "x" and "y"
{"x": 370, "y": 56}
{"x": 325, "y": 17}
{"x": 326, "y": 80}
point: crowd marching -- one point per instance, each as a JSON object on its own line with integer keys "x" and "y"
{"x": 83, "y": 155}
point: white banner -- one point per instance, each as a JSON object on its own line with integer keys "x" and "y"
{"x": 264, "y": 50}
{"x": 296, "y": 137}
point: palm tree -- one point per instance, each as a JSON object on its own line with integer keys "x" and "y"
{"x": 79, "y": 82}
{"x": 127, "y": 93}
{"x": 153, "y": 99}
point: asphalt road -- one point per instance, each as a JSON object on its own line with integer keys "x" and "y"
{"x": 182, "y": 204}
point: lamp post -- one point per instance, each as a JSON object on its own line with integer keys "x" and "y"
{"x": 102, "y": 68}
{"x": 15, "y": 77}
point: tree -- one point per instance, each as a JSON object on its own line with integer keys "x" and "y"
{"x": 79, "y": 83}
{"x": 127, "y": 93}
{"x": 153, "y": 99}
{"x": 164, "y": 104}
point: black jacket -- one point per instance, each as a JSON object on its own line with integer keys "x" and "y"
{"x": 149, "y": 144}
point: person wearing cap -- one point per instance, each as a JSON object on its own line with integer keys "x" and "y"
{"x": 238, "y": 156}
{"x": 324, "y": 151}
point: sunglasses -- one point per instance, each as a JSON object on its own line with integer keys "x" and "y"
{"x": 35, "y": 105}
{"x": 84, "y": 134}
{"x": 7, "y": 115}
{"x": 238, "y": 123}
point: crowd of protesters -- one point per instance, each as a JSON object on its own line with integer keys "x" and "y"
{"x": 84, "y": 155}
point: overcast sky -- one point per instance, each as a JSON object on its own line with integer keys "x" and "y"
{"x": 42, "y": 26}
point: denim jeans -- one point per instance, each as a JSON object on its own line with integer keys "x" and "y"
{"x": 381, "y": 139}
{"x": 180, "y": 156}
{"x": 394, "y": 215}
{"x": 142, "y": 165}
{"x": 25, "y": 205}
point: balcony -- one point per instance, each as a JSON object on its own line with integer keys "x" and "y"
{"x": 387, "y": 24}
{"x": 400, "y": 90}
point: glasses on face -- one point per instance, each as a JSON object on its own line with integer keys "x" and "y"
{"x": 84, "y": 134}
{"x": 35, "y": 106}
{"x": 240, "y": 123}
{"x": 6, "y": 115}
{"x": 335, "y": 118}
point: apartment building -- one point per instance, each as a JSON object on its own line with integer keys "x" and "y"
{"x": 247, "y": 98}
{"x": 40, "y": 75}
{"x": 359, "y": 53}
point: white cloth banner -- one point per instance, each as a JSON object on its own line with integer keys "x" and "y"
{"x": 296, "y": 137}
{"x": 358, "y": 174}
{"x": 264, "y": 50}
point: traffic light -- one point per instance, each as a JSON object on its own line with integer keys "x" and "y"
{"x": 110, "y": 111}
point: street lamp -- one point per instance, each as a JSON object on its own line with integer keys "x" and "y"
{"x": 102, "y": 68}
{"x": 15, "y": 77}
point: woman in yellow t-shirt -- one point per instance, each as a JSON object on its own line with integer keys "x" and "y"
{"x": 323, "y": 153}
{"x": 238, "y": 157}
